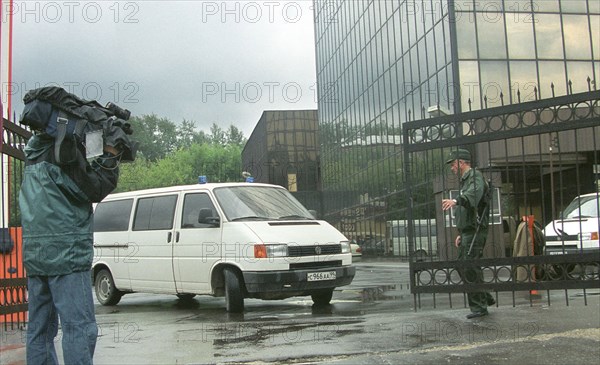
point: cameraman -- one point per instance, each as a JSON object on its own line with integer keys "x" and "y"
{"x": 56, "y": 214}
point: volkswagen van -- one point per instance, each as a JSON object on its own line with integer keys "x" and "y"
{"x": 232, "y": 240}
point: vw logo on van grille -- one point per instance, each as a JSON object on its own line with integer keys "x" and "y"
{"x": 297, "y": 251}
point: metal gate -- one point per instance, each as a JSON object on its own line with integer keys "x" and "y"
{"x": 13, "y": 282}
{"x": 538, "y": 156}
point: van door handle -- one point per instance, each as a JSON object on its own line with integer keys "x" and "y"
{"x": 169, "y": 236}
{"x": 177, "y": 236}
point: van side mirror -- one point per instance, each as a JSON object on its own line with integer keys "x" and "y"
{"x": 313, "y": 213}
{"x": 206, "y": 217}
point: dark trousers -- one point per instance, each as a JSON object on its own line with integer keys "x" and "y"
{"x": 478, "y": 301}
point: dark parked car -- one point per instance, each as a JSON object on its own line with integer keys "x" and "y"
{"x": 372, "y": 246}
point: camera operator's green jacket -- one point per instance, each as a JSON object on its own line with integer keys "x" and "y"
{"x": 56, "y": 208}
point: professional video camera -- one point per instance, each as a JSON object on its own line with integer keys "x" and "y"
{"x": 72, "y": 121}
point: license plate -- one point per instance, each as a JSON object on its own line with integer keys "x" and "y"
{"x": 556, "y": 253}
{"x": 319, "y": 276}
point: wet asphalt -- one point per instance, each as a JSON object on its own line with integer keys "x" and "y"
{"x": 371, "y": 321}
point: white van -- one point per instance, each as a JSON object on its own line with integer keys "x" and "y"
{"x": 425, "y": 237}
{"x": 577, "y": 229}
{"x": 238, "y": 240}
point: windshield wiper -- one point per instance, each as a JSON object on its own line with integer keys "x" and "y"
{"x": 293, "y": 216}
{"x": 251, "y": 218}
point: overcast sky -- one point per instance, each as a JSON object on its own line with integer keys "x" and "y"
{"x": 209, "y": 62}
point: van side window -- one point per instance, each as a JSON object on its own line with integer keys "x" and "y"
{"x": 112, "y": 216}
{"x": 155, "y": 213}
{"x": 192, "y": 203}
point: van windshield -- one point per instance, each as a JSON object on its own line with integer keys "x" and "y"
{"x": 586, "y": 206}
{"x": 259, "y": 203}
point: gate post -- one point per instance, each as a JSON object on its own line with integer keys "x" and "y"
{"x": 13, "y": 281}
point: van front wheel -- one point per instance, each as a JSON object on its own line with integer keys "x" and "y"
{"x": 106, "y": 291}
{"x": 322, "y": 297}
{"x": 234, "y": 298}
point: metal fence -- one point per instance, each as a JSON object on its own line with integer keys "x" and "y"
{"x": 13, "y": 282}
{"x": 538, "y": 156}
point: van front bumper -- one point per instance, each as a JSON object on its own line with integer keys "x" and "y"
{"x": 284, "y": 284}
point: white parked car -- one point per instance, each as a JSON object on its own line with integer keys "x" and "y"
{"x": 356, "y": 251}
{"x": 577, "y": 228}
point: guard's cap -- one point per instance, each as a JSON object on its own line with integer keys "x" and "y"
{"x": 459, "y": 154}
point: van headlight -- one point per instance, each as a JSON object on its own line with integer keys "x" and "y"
{"x": 345, "y": 246}
{"x": 269, "y": 251}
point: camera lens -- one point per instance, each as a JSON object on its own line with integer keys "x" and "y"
{"x": 118, "y": 111}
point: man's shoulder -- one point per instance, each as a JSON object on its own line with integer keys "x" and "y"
{"x": 474, "y": 176}
{"x": 477, "y": 174}
{"x": 470, "y": 174}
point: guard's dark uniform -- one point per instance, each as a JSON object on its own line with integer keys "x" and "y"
{"x": 469, "y": 205}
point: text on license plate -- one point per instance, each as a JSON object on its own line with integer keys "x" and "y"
{"x": 318, "y": 276}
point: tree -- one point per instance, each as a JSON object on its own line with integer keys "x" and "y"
{"x": 156, "y": 136}
{"x": 217, "y": 135}
{"x": 187, "y": 134}
{"x": 219, "y": 163}
{"x": 132, "y": 175}
{"x": 201, "y": 137}
{"x": 235, "y": 137}
{"x": 177, "y": 155}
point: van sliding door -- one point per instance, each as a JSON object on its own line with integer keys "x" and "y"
{"x": 152, "y": 234}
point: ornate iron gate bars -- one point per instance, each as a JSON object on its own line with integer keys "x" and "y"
{"x": 493, "y": 135}
{"x": 13, "y": 283}
{"x": 517, "y": 120}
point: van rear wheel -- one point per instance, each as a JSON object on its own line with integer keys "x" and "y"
{"x": 322, "y": 297}
{"x": 106, "y": 291}
{"x": 234, "y": 298}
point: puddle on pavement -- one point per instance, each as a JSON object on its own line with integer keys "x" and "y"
{"x": 258, "y": 333}
{"x": 377, "y": 293}
{"x": 586, "y": 293}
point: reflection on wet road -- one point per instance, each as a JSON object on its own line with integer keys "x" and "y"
{"x": 371, "y": 321}
{"x": 201, "y": 324}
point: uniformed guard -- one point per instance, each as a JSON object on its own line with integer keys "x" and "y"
{"x": 472, "y": 220}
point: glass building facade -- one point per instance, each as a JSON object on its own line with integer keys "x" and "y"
{"x": 382, "y": 63}
{"x": 283, "y": 150}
